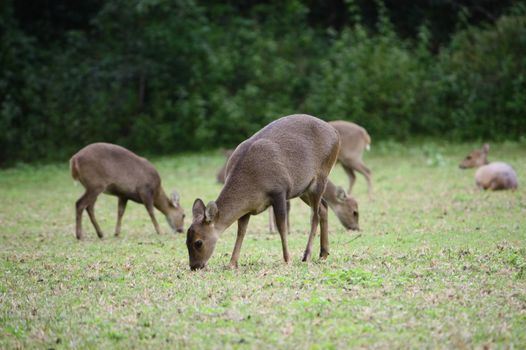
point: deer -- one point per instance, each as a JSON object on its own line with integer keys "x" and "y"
{"x": 354, "y": 140}
{"x": 490, "y": 176}
{"x": 343, "y": 205}
{"x": 114, "y": 170}
{"x": 290, "y": 157}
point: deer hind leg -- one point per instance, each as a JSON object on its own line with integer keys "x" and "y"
{"x": 279, "y": 205}
{"x": 91, "y": 212}
{"x": 86, "y": 201}
{"x": 313, "y": 199}
{"x": 362, "y": 169}
{"x": 351, "y": 175}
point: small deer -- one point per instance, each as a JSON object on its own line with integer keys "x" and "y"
{"x": 354, "y": 139}
{"x": 492, "y": 176}
{"x": 291, "y": 157}
{"x": 343, "y": 205}
{"x": 114, "y": 170}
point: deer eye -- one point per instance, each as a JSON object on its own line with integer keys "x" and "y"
{"x": 184, "y": 215}
{"x": 355, "y": 213}
{"x": 198, "y": 244}
{"x": 468, "y": 157}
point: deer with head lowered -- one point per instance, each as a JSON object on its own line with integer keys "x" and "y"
{"x": 114, "y": 170}
{"x": 291, "y": 157}
{"x": 490, "y": 176}
{"x": 343, "y": 205}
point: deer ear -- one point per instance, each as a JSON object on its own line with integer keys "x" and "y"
{"x": 175, "y": 199}
{"x": 198, "y": 209}
{"x": 340, "y": 194}
{"x": 485, "y": 148}
{"x": 211, "y": 211}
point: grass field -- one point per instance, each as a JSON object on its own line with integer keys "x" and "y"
{"x": 437, "y": 264}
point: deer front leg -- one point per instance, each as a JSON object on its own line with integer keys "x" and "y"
{"x": 242, "y": 224}
{"x": 120, "y": 213}
{"x": 279, "y": 206}
{"x": 271, "y": 221}
{"x": 313, "y": 199}
{"x": 148, "y": 203}
{"x": 324, "y": 231}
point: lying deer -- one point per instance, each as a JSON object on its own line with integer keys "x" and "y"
{"x": 291, "y": 157}
{"x": 354, "y": 139}
{"x": 492, "y": 176}
{"x": 343, "y": 205}
{"x": 114, "y": 170}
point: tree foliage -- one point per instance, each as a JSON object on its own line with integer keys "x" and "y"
{"x": 163, "y": 76}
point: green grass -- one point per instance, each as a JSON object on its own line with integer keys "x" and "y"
{"x": 437, "y": 264}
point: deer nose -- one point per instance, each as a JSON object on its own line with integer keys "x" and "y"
{"x": 180, "y": 230}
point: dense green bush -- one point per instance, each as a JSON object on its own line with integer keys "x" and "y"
{"x": 373, "y": 80}
{"x": 164, "y": 76}
{"x": 483, "y": 93}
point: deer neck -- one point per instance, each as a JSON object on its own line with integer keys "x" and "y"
{"x": 330, "y": 193}
{"x": 161, "y": 201}
{"x": 232, "y": 204}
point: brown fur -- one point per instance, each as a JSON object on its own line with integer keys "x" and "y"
{"x": 114, "y": 170}
{"x": 291, "y": 157}
{"x": 490, "y": 176}
{"x": 354, "y": 139}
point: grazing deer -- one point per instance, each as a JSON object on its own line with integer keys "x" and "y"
{"x": 291, "y": 157}
{"x": 221, "y": 173}
{"x": 114, "y": 170}
{"x": 492, "y": 176}
{"x": 343, "y": 205}
{"x": 354, "y": 139}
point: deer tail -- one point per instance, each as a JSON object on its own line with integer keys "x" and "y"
{"x": 73, "y": 168}
{"x": 367, "y": 139}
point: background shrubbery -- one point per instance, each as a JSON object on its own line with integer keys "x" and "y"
{"x": 162, "y": 76}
